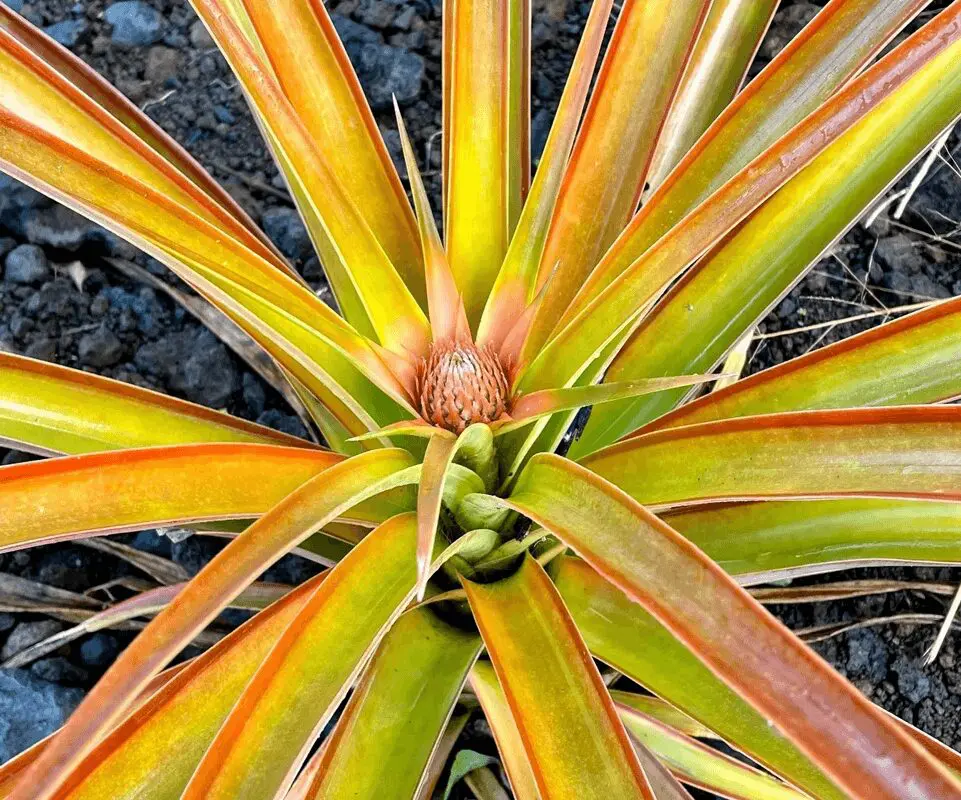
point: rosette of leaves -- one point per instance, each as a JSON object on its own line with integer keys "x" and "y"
{"x": 473, "y": 566}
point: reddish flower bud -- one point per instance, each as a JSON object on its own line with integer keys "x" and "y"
{"x": 461, "y": 385}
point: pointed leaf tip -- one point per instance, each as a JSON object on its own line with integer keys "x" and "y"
{"x": 444, "y": 302}
{"x": 430, "y": 495}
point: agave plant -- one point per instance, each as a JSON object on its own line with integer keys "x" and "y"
{"x": 474, "y": 568}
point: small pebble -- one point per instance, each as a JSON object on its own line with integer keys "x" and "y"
{"x": 26, "y": 264}
{"x": 135, "y": 24}
{"x": 67, "y": 32}
{"x": 99, "y": 650}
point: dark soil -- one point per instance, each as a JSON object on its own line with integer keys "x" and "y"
{"x": 93, "y": 318}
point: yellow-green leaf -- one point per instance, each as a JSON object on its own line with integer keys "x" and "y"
{"x": 621, "y": 633}
{"x": 844, "y": 733}
{"x": 184, "y": 715}
{"x": 47, "y": 408}
{"x": 844, "y": 36}
{"x": 300, "y": 514}
{"x": 723, "y": 52}
{"x": 575, "y": 743}
{"x": 702, "y": 766}
{"x": 487, "y": 149}
{"x": 916, "y": 359}
{"x": 397, "y": 713}
{"x": 926, "y": 66}
{"x": 43, "y": 501}
{"x": 399, "y": 324}
{"x": 483, "y": 681}
{"x": 915, "y": 452}
{"x": 758, "y": 540}
{"x": 642, "y": 67}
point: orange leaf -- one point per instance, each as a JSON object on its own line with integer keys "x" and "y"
{"x": 300, "y": 514}
{"x": 486, "y": 114}
{"x": 827, "y": 718}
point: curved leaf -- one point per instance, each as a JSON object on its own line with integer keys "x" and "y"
{"x": 621, "y": 633}
{"x": 348, "y": 301}
{"x": 46, "y": 408}
{"x": 731, "y": 289}
{"x": 662, "y": 712}
{"x": 915, "y": 359}
{"x": 642, "y": 67}
{"x": 754, "y": 540}
{"x": 39, "y": 94}
{"x": 402, "y": 326}
{"x": 724, "y": 50}
{"x": 574, "y": 741}
{"x": 430, "y": 494}
{"x": 293, "y": 695}
{"x": 300, "y": 514}
{"x": 121, "y": 109}
{"x": 54, "y": 139}
{"x": 46, "y": 94}
{"x": 841, "y": 39}
{"x": 184, "y": 715}
{"x": 398, "y": 711}
{"x": 268, "y": 733}
{"x": 58, "y": 140}
{"x": 925, "y": 65}
{"x": 311, "y": 65}
{"x": 483, "y": 681}
{"x": 529, "y": 407}
{"x": 44, "y": 501}
{"x": 701, "y": 766}
{"x": 860, "y": 748}
{"x": 901, "y": 452}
